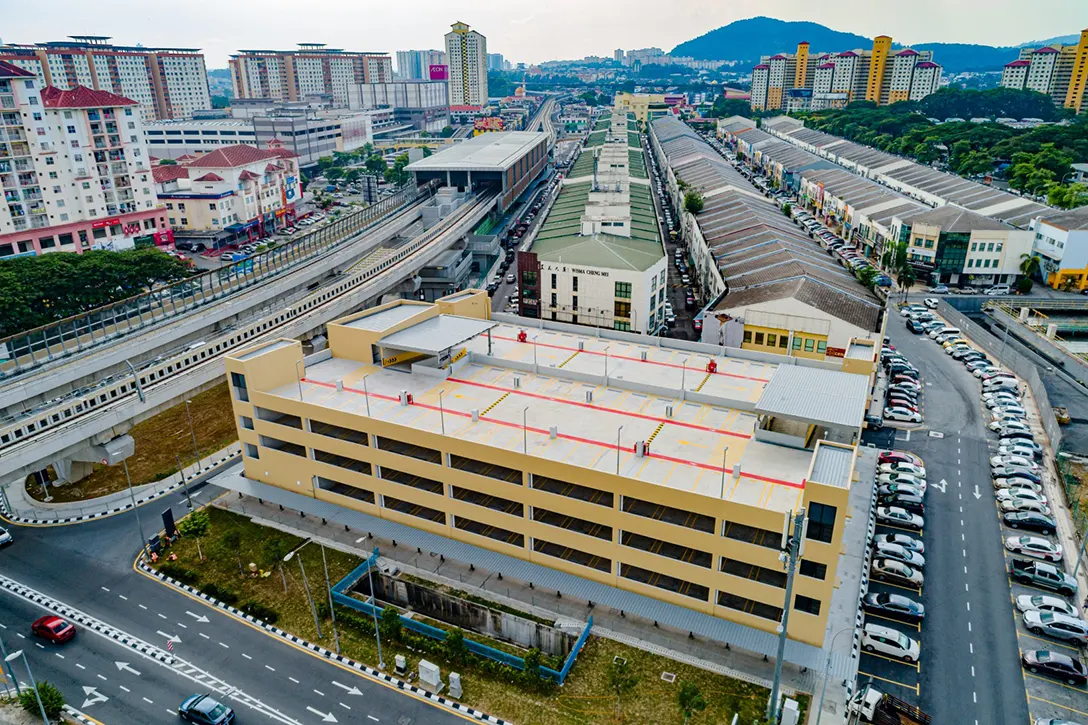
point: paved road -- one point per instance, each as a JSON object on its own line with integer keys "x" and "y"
{"x": 970, "y": 670}
{"x": 90, "y": 567}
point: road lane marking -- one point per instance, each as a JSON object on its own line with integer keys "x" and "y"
{"x": 80, "y": 666}
{"x": 343, "y": 706}
{"x": 292, "y": 679}
{"x": 149, "y": 702}
{"x": 1056, "y": 704}
{"x": 122, "y": 596}
{"x": 372, "y": 718}
{"x": 161, "y": 615}
{"x": 892, "y": 659}
{"x": 246, "y": 656}
{"x": 270, "y": 668}
{"x": 141, "y": 606}
{"x": 203, "y": 635}
{"x": 224, "y": 646}
{"x": 104, "y": 589}
{"x": 102, "y": 678}
{"x": 124, "y": 688}
{"x": 1055, "y": 682}
{"x": 319, "y": 692}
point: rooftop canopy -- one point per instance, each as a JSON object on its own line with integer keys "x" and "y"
{"x": 437, "y": 334}
{"x": 818, "y": 396}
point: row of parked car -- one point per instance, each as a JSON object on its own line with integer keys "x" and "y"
{"x": 850, "y": 255}
{"x": 902, "y": 399}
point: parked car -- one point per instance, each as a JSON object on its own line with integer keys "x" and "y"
{"x": 1021, "y": 448}
{"x": 894, "y": 606}
{"x": 1035, "y": 547}
{"x": 895, "y": 516}
{"x": 1060, "y": 666}
{"x": 930, "y": 302}
{"x": 1017, "y": 503}
{"x": 53, "y": 629}
{"x": 911, "y": 503}
{"x": 903, "y": 467}
{"x": 905, "y": 540}
{"x": 895, "y": 552}
{"x": 5, "y": 537}
{"x": 915, "y": 326}
{"x": 1045, "y": 603}
{"x": 902, "y": 414}
{"x": 1058, "y": 626}
{"x": 899, "y": 489}
{"x": 1030, "y": 521}
{"x": 890, "y": 642}
{"x": 899, "y": 456}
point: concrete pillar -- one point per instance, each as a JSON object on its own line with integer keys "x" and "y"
{"x": 1024, "y": 311}
{"x": 1051, "y": 331}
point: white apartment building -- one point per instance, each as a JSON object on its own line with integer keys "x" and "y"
{"x": 466, "y": 51}
{"x": 415, "y": 65}
{"x": 165, "y": 82}
{"x": 311, "y": 70}
{"x": 74, "y": 170}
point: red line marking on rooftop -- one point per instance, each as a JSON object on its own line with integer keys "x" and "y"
{"x": 633, "y": 359}
{"x": 629, "y": 414}
{"x": 564, "y": 436}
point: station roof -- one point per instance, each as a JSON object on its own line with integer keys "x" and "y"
{"x": 487, "y": 152}
{"x": 829, "y": 397}
{"x": 437, "y": 334}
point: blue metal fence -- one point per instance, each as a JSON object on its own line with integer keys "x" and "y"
{"x": 340, "y": 596}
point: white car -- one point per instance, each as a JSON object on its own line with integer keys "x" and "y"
{"x": 1001, "y": 399}
{"x": 1035, "y": 547}
{"x": 889, "y": 642}
{"x": 930, "y": 302}
{"x": 902, "y": 467}
{"x": 902, "y": 479}
{"x": 1015, "y": 485}
{"x": 1015, "y": 462}
{"x": 899, "y": 553}
{"x": 1045, "y": 603}
{"x": 959, "y": 347}
{"x": 1020, "y": 494}
{"x": 905, "y": 381}
{"x": 911, "y": 310}
{"x": 1022, "y": 504}
{"x": 1008, "y": 409}
{"x": 5, "y": 537}
{"x": 1009, "y": 422}
{"x": 902, "y": 414}
{"x": 1021, "y": 448}
{"x": 899, "y": 517}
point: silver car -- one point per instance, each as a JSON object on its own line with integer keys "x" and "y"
{"x": 1045, "y": 603}
{"x": 1058, "y": 626}
{"x": 5, "y": 537}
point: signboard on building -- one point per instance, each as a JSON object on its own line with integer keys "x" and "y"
{"x": 290, "y": 183}
{"x": 439, "y": 72}
{"x": 102, "y": 223}
{"x": 488, "y": 123}
{"x": 836, "y": 352}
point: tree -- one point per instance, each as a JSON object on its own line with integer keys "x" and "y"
{"x": 273, "y": 551}
{"x": 787, "y": 209}
{"x": 1029, "y": 264}
{"x": 447, "y": 132}
{"x": 620, "y": 680}
{"x": 389, "y": 623}
{"x": 427, "y": 151}
{"x": 375, "y": 164}
{"x": 232, "y": 541}
{"x": 693, "y": 201}
{"x": 167, "y": 162}
{"x": 1067, "y": 196}
{"x": 867, "y": 276}
{"x": 975, "y": 162}
{"x": 333, "y": 173}
{"x": 454, "y": 646}
{"x": 531, "y": 671}
{"x": 353, "y": 175}
{"x": 690, "y": 700}
{"x": 52, "y": 700}
{"x": 196, "y": 524}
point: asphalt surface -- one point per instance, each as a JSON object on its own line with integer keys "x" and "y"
{"x": 969, "y": 670}
{"x": 681, "y": 329}
{"x": 89, "y": 567}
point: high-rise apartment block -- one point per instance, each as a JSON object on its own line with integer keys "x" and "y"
{"x": 414, "y": 65}
{"x": 166, "y": 83}
{"x": 804, "y": 80}
{"x": 312, "y": 70}
{"x": 1060, "y": 71}
{"x": 466, "y": 51}
{"x": 74, "y": 169}
{"x": 495, "y": 61}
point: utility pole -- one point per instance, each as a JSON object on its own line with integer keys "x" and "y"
{"x": 793, "y": 546}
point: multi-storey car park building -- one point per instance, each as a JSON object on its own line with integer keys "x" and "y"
{"x": 165, "y": 82}
{"x": 423, "y": 104}
{"x": 312, "y": 70}
{"x": 769, "y": 287}
{"x": 598, "y": 257}
{"x": 600, "y": 466}
{"x": 74, "y": 169}
{"x": 466, "y": 51}
{"x": 1060, "y": 71}
{"x": 806, "y": 80}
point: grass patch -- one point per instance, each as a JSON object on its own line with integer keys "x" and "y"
{"x": 460, "y": 594}
{"x": 158, "y": 439}
{"x": 584, "y": 700}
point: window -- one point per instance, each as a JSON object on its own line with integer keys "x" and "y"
{"x": 796, "y": 343}
{"x": 623, "y": 290}
{"x": 184, "y": 221}
{"x": 772, "y": 339}
{"x": 813, "y": 569}
{"x": 71, "y": 129}
{"x": 974, "y": 246}
{"x": 821, "y": 347}
{"x": 806, "y": 604}
{"x": 821, "y": 522}
{"x": 990, "y": 247}
{"x": 783, "y": 341}
{"x": 574, "y": 281}
{"x": 49, "y": 160}
{"x": 809, "y": 344}
{"x": 86, "y": 185}
{"x": 37, "y": 116}
{"x": 759, "y": 338}
{"x": 747, "y": 336}
{"x": 172, "y": 221}
{"x": 553, "y": 283}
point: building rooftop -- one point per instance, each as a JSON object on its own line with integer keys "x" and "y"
{"x": 10, "y": 70}
{"x": 1074, "y": 219}
{"x": 585, "y": 391}
{"x": 82, "y": 97}
{"x": 600, "y": 250}
{"x": 486, "y": 152}
{"x": 957, "y": 220}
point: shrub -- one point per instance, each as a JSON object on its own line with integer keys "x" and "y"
{"x": 52, "y": 700}
{"x": 787, "y": 209}
{"x": 223, "y": 594}
{"x": 179, "y": 572}
{"x": 390, "y": 623}
{"x": 693, "y": 202}
{"x": 260, "y": 611}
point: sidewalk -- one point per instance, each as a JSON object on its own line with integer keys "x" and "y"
{"x": 19, "y": 507}
{"x": 608, "y": 623}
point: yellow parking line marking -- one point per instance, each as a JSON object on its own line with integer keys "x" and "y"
{"x": 917, "y": 626}
{"x": 1055, "y": 682}
{"x": 892, "y": 659}
{"x": 1056, "y": 704}
{"x": 1048, "y": 642}
{"x": 917, "y": 690}
{"x": 916, "y": 590}
{"x": 912, "y": 532}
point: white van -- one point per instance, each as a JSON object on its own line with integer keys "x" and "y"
{"x": 941, "y": 331}
{"x": 999, "y": 289}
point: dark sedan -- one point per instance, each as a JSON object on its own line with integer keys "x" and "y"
{"x": 894, "y": 606}
{"x": 1030, "y": 521}
{"x": 1057, "y": 665}
{"x": 912, "y": 504}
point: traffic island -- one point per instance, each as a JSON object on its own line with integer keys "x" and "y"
{"x": 232, "y": 542}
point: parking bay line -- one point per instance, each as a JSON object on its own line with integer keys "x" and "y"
{"x": 916, "y": 625}
{"x": 1053, "y": 682}
{"x": 1047, "y": 642}
{"x": 1055, "y": 704}
{"x": 915, "y": 590}
{"x": 916, "y": 688}
{"x": 892, "y": 659}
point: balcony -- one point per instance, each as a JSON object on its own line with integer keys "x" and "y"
{"x": 124, "y": 195}
{"x": 8, "y": 181}
{"x": 7, "y": 100}
{"x": 115, "y": 141}
{"x": 94, "y": 115}
{"x": 10, "y": 119}
{"x": 19, "y": 224}
{"x": 39, "y": 222}
{"x": 11, "y": 196}
{"x": 123, "y": 182}
{"x": 119, "y": 168}
{"x": 20, "y": 149}
{"x": 99, "y": 144}
{"x": 112, "y": 209}
{"x": 13, "y": 134}
{"x": 36, "y": 209}
{"x": 32, "y": 195}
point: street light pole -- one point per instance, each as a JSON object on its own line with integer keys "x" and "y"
{"x": 525, "y": 430}
{"x": 192, "y": 432}
{"x": 328, "y": 588}
{"x": 724, "y": 452}
{"x": 792, "y": 548}
{"x": 7, "y": 666}
{"x": 618, "y": 432}
{"x": 298, "y": 377}
{"x": 374, "y": 606}
{"x": 306, "y": 585}
{"x": 442, "y": 411}
{"x": 827, "y": 671}
{"x": 135, "y": 509}
{"x": 33, "y": 682}
{"x": 184, "y": 483}
{"x": 366, "y": 395}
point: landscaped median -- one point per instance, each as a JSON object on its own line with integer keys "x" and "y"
{"x": 243, "y": 566}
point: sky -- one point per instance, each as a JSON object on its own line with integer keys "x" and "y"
{"x": 522, "y": 31}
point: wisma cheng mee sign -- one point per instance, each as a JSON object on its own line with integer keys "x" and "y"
{"x": 440, "y": 72}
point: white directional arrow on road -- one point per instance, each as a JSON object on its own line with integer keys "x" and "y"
{"x": 93, "y": 696}
{"x": 169, "y": 637}
{"x": 200, "y": 618}
{"x": 325, "y": 716}
{"x": 349, "y": 690}
{"x": 123, "y": 667}
{"x": 942, "y": 486}
{"x": 977, "y": 494}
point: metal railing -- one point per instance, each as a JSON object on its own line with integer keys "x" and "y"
{"x": 28, "y": 350}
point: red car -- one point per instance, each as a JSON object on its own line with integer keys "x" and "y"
{"x": 53, "y": 628}
{"x": 899, "y": 457}
{"x": 698, "y": 325}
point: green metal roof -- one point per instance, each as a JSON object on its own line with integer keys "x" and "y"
{"x": 602, "y": 250}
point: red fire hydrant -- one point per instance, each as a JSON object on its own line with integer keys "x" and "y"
{"x": 712, "y": 367}
{"x": 522, "y": 336}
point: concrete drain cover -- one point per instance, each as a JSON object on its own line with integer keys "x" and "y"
{"x": 668, "y": 676}
{"x": 619, "y": 660}
{"x": 936, "y": 434}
